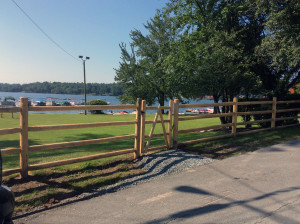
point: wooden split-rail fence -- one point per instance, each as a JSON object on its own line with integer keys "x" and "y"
{"x": 141, "y": 146}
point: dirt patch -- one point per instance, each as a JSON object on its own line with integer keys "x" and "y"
{"x": 53, "y": 186}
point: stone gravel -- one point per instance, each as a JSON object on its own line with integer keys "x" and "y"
{"x": 155, "y": 165}
{"x": 158, "y": 165}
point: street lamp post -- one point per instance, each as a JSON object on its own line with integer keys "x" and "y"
{"x": 83, "y": 60}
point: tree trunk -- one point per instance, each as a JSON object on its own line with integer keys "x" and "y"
{"x": 161, "y": 101}
{"x": 247, "y": 117}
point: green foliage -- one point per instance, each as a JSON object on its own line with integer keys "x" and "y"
{"x": 278, "y": 55}
{"x": 97, "y": 102}
{"x": 265, "y": 107}
{"x": 298, "y": 89}
{"x": 142, "y": 70}
{"x": 113, "y": 89}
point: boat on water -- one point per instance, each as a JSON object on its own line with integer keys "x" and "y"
{"x": 200, "y": 111}
{"x": 8, "y": 101}
{"x": 121, "y": 113}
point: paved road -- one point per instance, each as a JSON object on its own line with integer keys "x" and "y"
{"x": 258, "y": 187}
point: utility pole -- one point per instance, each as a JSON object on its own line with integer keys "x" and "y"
{"x": 83, "y": 60}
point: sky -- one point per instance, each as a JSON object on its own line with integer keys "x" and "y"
{"x": 93, "y": 28}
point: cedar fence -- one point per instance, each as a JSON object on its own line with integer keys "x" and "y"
{"x": 140, "y": 145}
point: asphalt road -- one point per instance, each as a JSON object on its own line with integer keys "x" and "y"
{"x": 258, "y": 187}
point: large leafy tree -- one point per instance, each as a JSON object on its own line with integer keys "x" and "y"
{"x": 142, "y": 70}
{"x": 278, "y": 56}
{"x": 213, "y": 51}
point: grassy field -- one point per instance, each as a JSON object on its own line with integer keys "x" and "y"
{"x": 46, "y": 137}
{"x": 48, "y": 186}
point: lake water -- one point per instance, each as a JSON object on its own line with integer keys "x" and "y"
{"x": 113, "y": 100}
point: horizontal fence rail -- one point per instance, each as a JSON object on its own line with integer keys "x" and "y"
{"x": 76, "y": 126}
{"x": 80, "y": 159}
{"x": 74, "y": 108}
{"x": 142, "y": 141}
{"x": 10, "y": 109}
{"x": 25, "y": 148}
{"x": 79, "y": 143}
{"x": 234, "y": 114}
{"x": 205, "y": 105}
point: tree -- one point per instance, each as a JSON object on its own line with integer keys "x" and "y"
{"x": 96, "y": 102}
{"x": 213, "y": 53}
{"x": 278, "y": 56}
{"x": 142, "y": 70}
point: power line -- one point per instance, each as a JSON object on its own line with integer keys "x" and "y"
{"x": 51, "y": 39}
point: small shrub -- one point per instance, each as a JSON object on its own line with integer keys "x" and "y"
{"x": 258, "y": 107}
{"x": 97, "y": 102}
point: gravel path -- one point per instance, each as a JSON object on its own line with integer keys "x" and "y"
{"x": 156, "y": 165}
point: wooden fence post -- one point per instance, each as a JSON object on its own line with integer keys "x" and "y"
{"x": 170, "y": 123}
{"x": 175, "y": 128}
{"x": 274, "y": 109}
{"x": 137, "y": 145}
{"x": 234, "y": 115}
{"x": 24, "y": 137}
{"x": 143, "y": 119}
{"x": 163, "y": 128}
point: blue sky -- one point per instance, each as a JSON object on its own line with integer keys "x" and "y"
{"x": 91, "y": 28}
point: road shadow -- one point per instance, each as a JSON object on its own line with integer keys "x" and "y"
{"x": 212, "y": 208}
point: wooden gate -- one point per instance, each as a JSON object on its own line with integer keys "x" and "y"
{"x": 158, "y": 118}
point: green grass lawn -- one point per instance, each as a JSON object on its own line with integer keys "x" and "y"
{"x": 46, "y": 137}
{"x": 44, "y": 187}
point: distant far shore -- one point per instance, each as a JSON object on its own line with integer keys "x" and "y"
{"x": 99, "y": 89}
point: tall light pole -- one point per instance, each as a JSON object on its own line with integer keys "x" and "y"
{"x": 83, "y": 60}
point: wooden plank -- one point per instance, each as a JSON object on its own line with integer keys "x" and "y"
{"x": 77, "y": 126}
{"x": 80, "y": 159}
{"x": 163, "y": 128}
{"x": 287, "y": 126}
{"x": 10, "y": 151}
{"x": 205, "y": 139}
{"x": 176, "y": 123}
{"x": 288, "y": 110}
{"x": 158, "y": 122}
{"x": 156, "y": 135}
{"x": 205, "y": 105}
{"x": 170, "y": 118}
{"x": 137, "y": 142}
{"x": 155, "y": 108}
{"x": 273, "y": 123}
{"x": 253, "y": 131}
{"x": 204, "y": 116}
{"x": 255, "y": 112}
{"x": 152, "y": 130}
{"x": 10, "y": 171}
{"x": 94, "y": 107}
{"x": 288, "y": 101}
{"x": 9, "y": 109}
{"x": 24, "y": 137}
{"x": 205, "y": 128}
{"x": 254, "y": 122}
{"x": 79, "y": 143}
{"x": 254, "y": 103}
{"x": 9, "y": 131}
{"x": 287, "y": 118}
{"x": 234, "y": 116}
{"x": 157, "y": 148}
{"x": 143, "y": 125}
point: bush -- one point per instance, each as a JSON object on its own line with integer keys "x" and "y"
{"x": 97, "y": 102}
{"x": 269, "y": 107}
